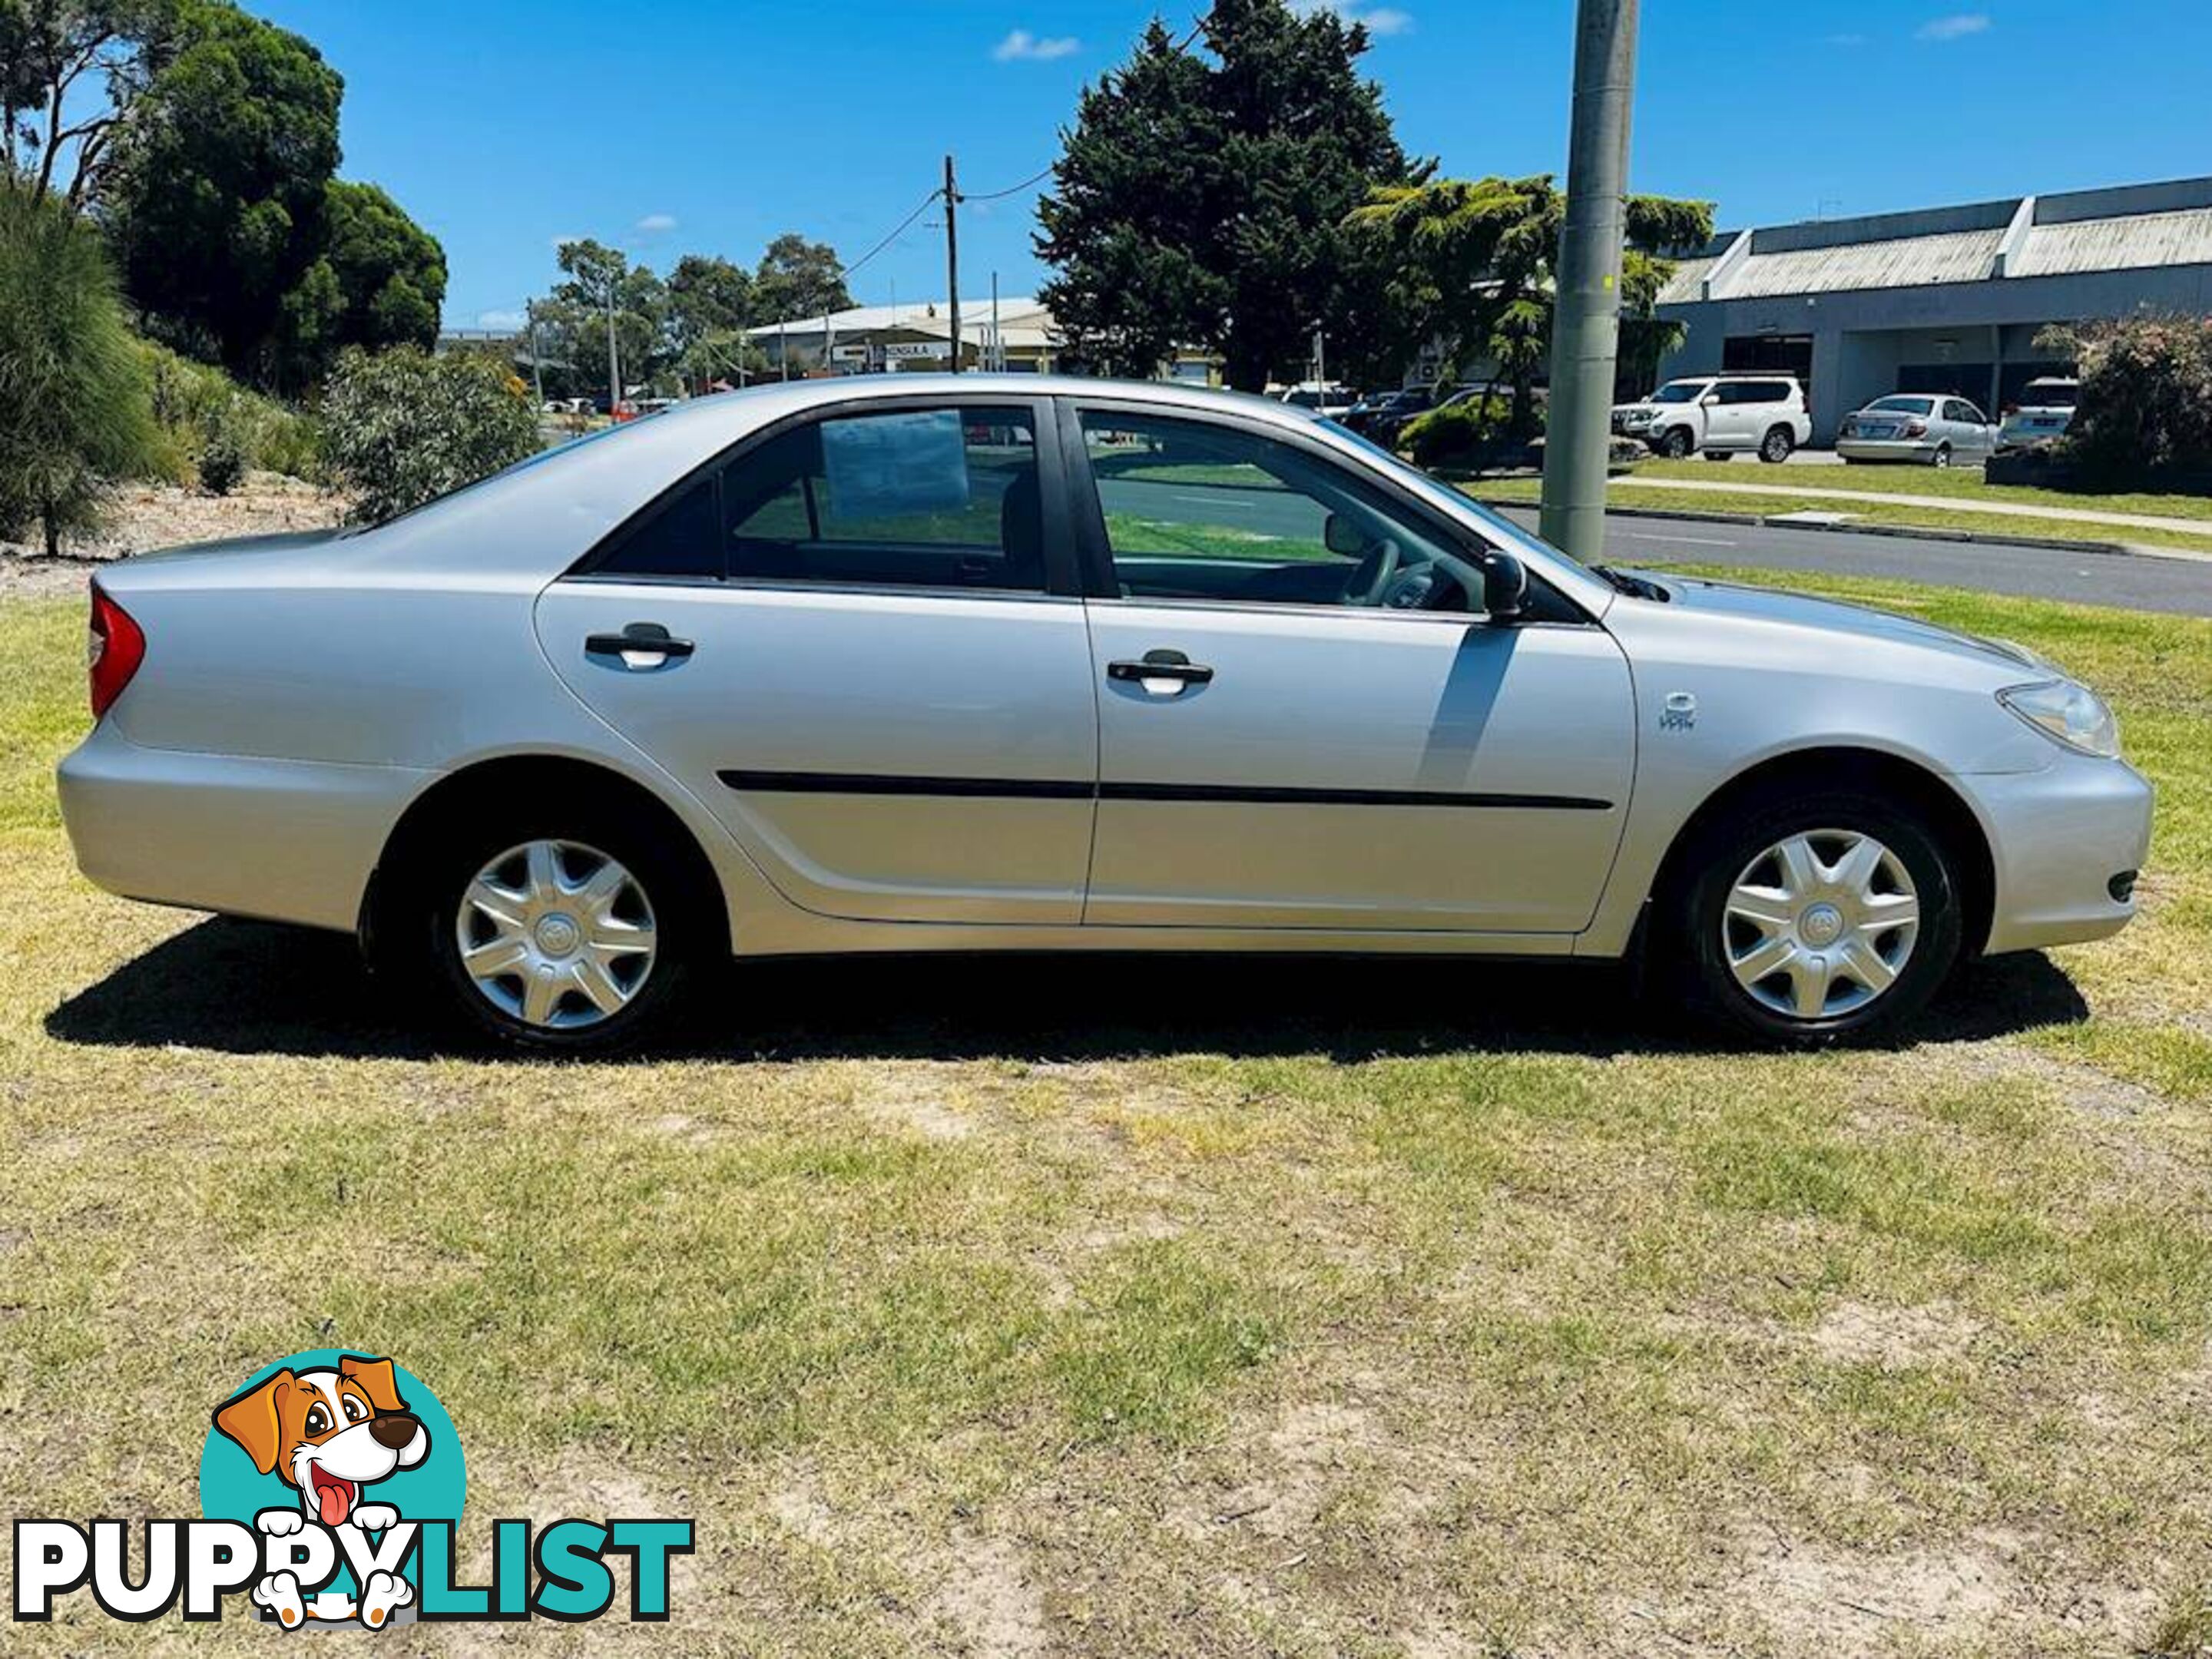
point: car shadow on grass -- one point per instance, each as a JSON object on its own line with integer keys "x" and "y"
{"x": 245, "y": 988}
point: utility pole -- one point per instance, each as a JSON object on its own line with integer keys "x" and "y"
{"x": 997, "y": 362}
{"x": 1586, "y": 318}
{"x": 537, "y": 375}
{"x": 952, "y": 257}
{"x": 614, "y": 357}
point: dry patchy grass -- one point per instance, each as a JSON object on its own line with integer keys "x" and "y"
{"x": 1301, "y": 1307}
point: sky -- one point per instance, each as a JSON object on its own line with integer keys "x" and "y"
{"x": 693, "y": 126}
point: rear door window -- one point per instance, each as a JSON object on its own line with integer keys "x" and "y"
{"x": 939, "y": 497}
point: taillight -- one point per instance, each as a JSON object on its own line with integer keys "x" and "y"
{"x": 117, "y": 647}
{"x": 1915, "y": 428}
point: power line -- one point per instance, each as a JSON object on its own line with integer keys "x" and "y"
{"x": 1011, "y": 190}
{"x": 920, "y": 208}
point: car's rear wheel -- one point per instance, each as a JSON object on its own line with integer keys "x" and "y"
{"x": 1775, "y": 447}
{"x": 1815, "y": 917}
{"x": 1675, "y": 446}
{"x": 561, "y": 929}
{"x": 1942, "y": 456}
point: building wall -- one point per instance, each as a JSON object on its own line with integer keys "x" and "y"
{"x": 1863, "y": 337}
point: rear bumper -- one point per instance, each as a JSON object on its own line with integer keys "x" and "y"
{"x": 2058, "y": 838}
{"x": 281, "y": 840}
{"x": 1885, "y": 449}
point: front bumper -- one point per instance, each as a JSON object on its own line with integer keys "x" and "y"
{"x": 280, "y": 839}
{"x": 2057, "y": 838}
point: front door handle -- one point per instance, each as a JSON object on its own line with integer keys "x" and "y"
{"x": 1171, "y": 667}
{"x": 641, "y": 645}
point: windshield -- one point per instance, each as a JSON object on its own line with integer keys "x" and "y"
{"x": 1304, "y": 399}
{"x": 1680, "y": 392}
{"x": 1902, "y": 406}
{"x": 2049, "y": 394}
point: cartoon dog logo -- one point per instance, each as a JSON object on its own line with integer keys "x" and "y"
{"x": 329, "y": 1433}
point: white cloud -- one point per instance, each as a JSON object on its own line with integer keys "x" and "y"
{"x": 656, "y": 224}
{"x": 1380, "y": 20}
{"x": 502, "y": 320}
{"x": 1020, "y": 47}
{"x": 1957, "y": 27}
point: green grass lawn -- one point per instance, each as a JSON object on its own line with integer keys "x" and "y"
{"x": 1626, "y": 493}
{"x": 1295, "y": 1307}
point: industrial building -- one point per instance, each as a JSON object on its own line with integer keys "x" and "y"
{"x": 1017, "y": 335}
{"x": 1938, "y": 299}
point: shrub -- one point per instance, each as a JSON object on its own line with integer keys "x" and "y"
{"x": 196, "y": 405}
{"x": 1458, "y": 432}
{"x": 2146, "y": 402}
{"x": 404, "y": 427}
{"x": 75, "y": 413}
{"x": 224, "y": 452}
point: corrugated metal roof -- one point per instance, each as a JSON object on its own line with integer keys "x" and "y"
{"x": 2126, "y": 243}
{"x": 1962, "y": 256}
{"x": 1685, "y": 286}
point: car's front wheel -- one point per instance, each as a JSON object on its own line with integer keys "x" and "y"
{"x": 1675, "y": 444}
{"x": 1816, "y": 917}
{"x": 564, "y": 930}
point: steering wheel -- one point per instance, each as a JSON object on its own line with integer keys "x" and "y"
{"x": 1416, "y": 588}
{"x": 1376, "y": 568}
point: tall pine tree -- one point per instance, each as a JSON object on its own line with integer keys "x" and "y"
{"x": 1202, "y": 197}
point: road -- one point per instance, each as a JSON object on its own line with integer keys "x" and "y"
{"x": 2140, "y": 582}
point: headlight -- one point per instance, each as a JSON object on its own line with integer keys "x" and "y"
{"x": 2069, "y": 713}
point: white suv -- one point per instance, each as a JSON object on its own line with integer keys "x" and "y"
{"x": 1720, "y": 415}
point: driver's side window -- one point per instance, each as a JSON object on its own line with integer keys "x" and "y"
{"x": 1197, "y": 511}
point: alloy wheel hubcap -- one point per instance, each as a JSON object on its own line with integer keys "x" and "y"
{"x": 556, "y": 934}
{"x": 1821, "y": 923}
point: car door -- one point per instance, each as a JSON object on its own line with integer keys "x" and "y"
{"x": 1300, "y": 724}
{"x": 1729, "y": 421}
{"x": 860, "y": 640}
{"x": 1972, "y": 434}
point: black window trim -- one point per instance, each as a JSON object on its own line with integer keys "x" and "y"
{"x": 1063, "y": 579}
{"x": 1096, "y": 551}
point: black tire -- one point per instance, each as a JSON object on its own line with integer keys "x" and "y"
{"x": 1775, "y": 447}
{"x": 1942, "y": 458}
{"x": 422, "y": 953}
{"x": 1694, "y": 920}
{"x": 1675, "y": 445}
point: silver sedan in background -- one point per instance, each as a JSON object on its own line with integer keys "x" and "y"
{"x": 1930, "y": 428}
{"x": 914, "y": 663}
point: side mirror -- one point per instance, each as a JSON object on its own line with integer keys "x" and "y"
{"x": 1505, "y": 587}
{"x": 1711, "y": 400}
{"x": 1343, "y": 538}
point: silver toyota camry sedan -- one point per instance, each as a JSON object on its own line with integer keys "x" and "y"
{"x": 911, "y": 663}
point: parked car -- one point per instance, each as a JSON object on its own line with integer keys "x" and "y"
{"x": 805, "y": 669}
{"x": 1928, "y": 427}
{"x": 1388, "y": 411}
{"x": 1331, "y": 402}
{"x": 1721, "y": 414}
{"x": 2044, "y": 413}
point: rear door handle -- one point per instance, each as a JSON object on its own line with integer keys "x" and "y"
{"x": 1161, "y": 665}
{"x": 637, "y": 641}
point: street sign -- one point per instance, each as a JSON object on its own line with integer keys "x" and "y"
{"x": 915, "y": 351}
